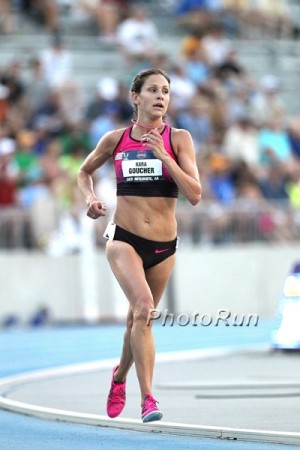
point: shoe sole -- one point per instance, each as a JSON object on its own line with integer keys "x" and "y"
{"x": 114, "y": 415}
{"x": 151, "y": 417}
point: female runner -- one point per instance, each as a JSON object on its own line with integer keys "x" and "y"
{"x": 152, "y": 162}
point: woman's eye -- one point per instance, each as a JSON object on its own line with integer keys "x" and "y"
{"x": 156, "y": 90}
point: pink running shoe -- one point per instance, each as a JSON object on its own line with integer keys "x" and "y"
{"x": 116, "y": 397}
{"x": 150, "y": 411}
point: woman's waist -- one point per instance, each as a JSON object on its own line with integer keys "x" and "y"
{"x": 154, "y": 220}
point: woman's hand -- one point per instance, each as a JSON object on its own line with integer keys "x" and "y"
{"x": 96, "y": 209}
{"x": 154, "y": 140}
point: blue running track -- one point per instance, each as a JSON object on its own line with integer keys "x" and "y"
{"x": 28, "y": 349}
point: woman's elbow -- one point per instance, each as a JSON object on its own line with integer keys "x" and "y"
{"x": 82, "y": 173}
{"x": 195, "y": 199}
{"x": 79, "y": 174}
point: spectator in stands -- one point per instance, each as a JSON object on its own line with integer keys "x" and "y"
{"x": 274, "y": 18}
{"x": 274, "y": 145}
{"x": 137, "y": 37}
{"x": 58, "y": 169}
{"x": 236, "y": 103}
{"x": 110, "y": 92}
{"x": 71, "y": 162}
{"x": 8, "y": 170}
{"x": 4, "y": 92}
{"x": 267, "y": 103}
{"x": 196, "y": 119}
{"x": 106, "y": 92}
{"x": 293, "y": 131}
{"x": 263, "y": 18}
{"x": 12, "y": 219}
{"x": 183, "y": 89}
{"x": 49, "y": 163}
{"x": 24, "y": 157}
{"x": 71, "y": 101}
{"x": 216, "y": 46}
{"x": 74, "y": 134}
{"x": 293, "y": 190}
{"x": 42, "y": 137}
{"x": 43, "y": 12}
{"x": 195, "y": 14}
{"x": 219, "y": 190}
{"x": 244, "y": 179}
{"x": 237, "y": 86}
{"x": 196, "y": 67}
{"x": 13, "y": 109}
{"x": 12, "y": 78}
{"x": 33, "y": 187}
{"x": 7, "y": 22}
{"x": 274, "y": 185}
{"x": 36, "y": 86}
{"x": 106, "y": 13}
{"x": 191, "y": 43}
{"x": 244, "y": 12}
{"x": 111, "y": 96}
{"x": 34, "y": 191}
{"x": 125, "y": 109}
{"x": 49, "y": 114}
{"x": 238, "y": 93}
{"x": 219, "y": 179}
{"x": 216, "y": 94}
{"x": 57, "y": 62}
{"x": 230, "y": 65}
{"x": 240, "y": 142}
{"x": 107, "y": 121}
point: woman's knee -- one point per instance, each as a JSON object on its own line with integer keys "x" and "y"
{"x": 129, "y": 321}
{"x": 142, "y": 312}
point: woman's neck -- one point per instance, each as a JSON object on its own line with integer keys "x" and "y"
{"x": 147, "y": 127}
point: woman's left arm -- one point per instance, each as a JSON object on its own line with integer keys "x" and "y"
{"x": 184, "y": 172}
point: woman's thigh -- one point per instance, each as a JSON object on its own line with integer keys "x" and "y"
{"x": 138, "y": 285}
{"x": 158, "y": 277}
{"x": 127, "y": 267}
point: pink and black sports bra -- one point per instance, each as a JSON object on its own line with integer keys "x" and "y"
{"x": 139, "y": 172}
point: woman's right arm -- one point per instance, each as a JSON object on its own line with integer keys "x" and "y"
{"x": 93, "y": 161}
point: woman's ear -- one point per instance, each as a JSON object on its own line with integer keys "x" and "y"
{"x": 134, "y": 98}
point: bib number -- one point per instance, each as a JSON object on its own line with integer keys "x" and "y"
{"x": 142, "y": 170}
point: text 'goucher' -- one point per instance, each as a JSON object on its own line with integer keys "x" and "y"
{"x": 223, "y": 316}
{"x": 147, "y": 170}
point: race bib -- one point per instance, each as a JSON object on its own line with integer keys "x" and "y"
{"x": 141, "y": 166}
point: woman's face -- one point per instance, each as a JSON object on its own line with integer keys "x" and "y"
{"x": 153, "y": 100}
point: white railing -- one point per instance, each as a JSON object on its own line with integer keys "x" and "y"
{"x": 209, "y": 222}
{"x": 240, "y": 222}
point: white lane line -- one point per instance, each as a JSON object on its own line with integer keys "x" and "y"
{"x": 181, "y": 429}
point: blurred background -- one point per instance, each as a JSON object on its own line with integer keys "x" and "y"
{"x": 65, "y": 72}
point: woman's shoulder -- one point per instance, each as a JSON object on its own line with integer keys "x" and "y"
{"x": 110, "y": 140}
{"x": 179, "y": 133}
{"x": 180, "y": 139}
{"x": 114, "y": 136}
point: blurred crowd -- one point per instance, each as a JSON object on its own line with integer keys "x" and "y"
{"x": 247, "y": 144}
{"x": 270, "y": 17}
